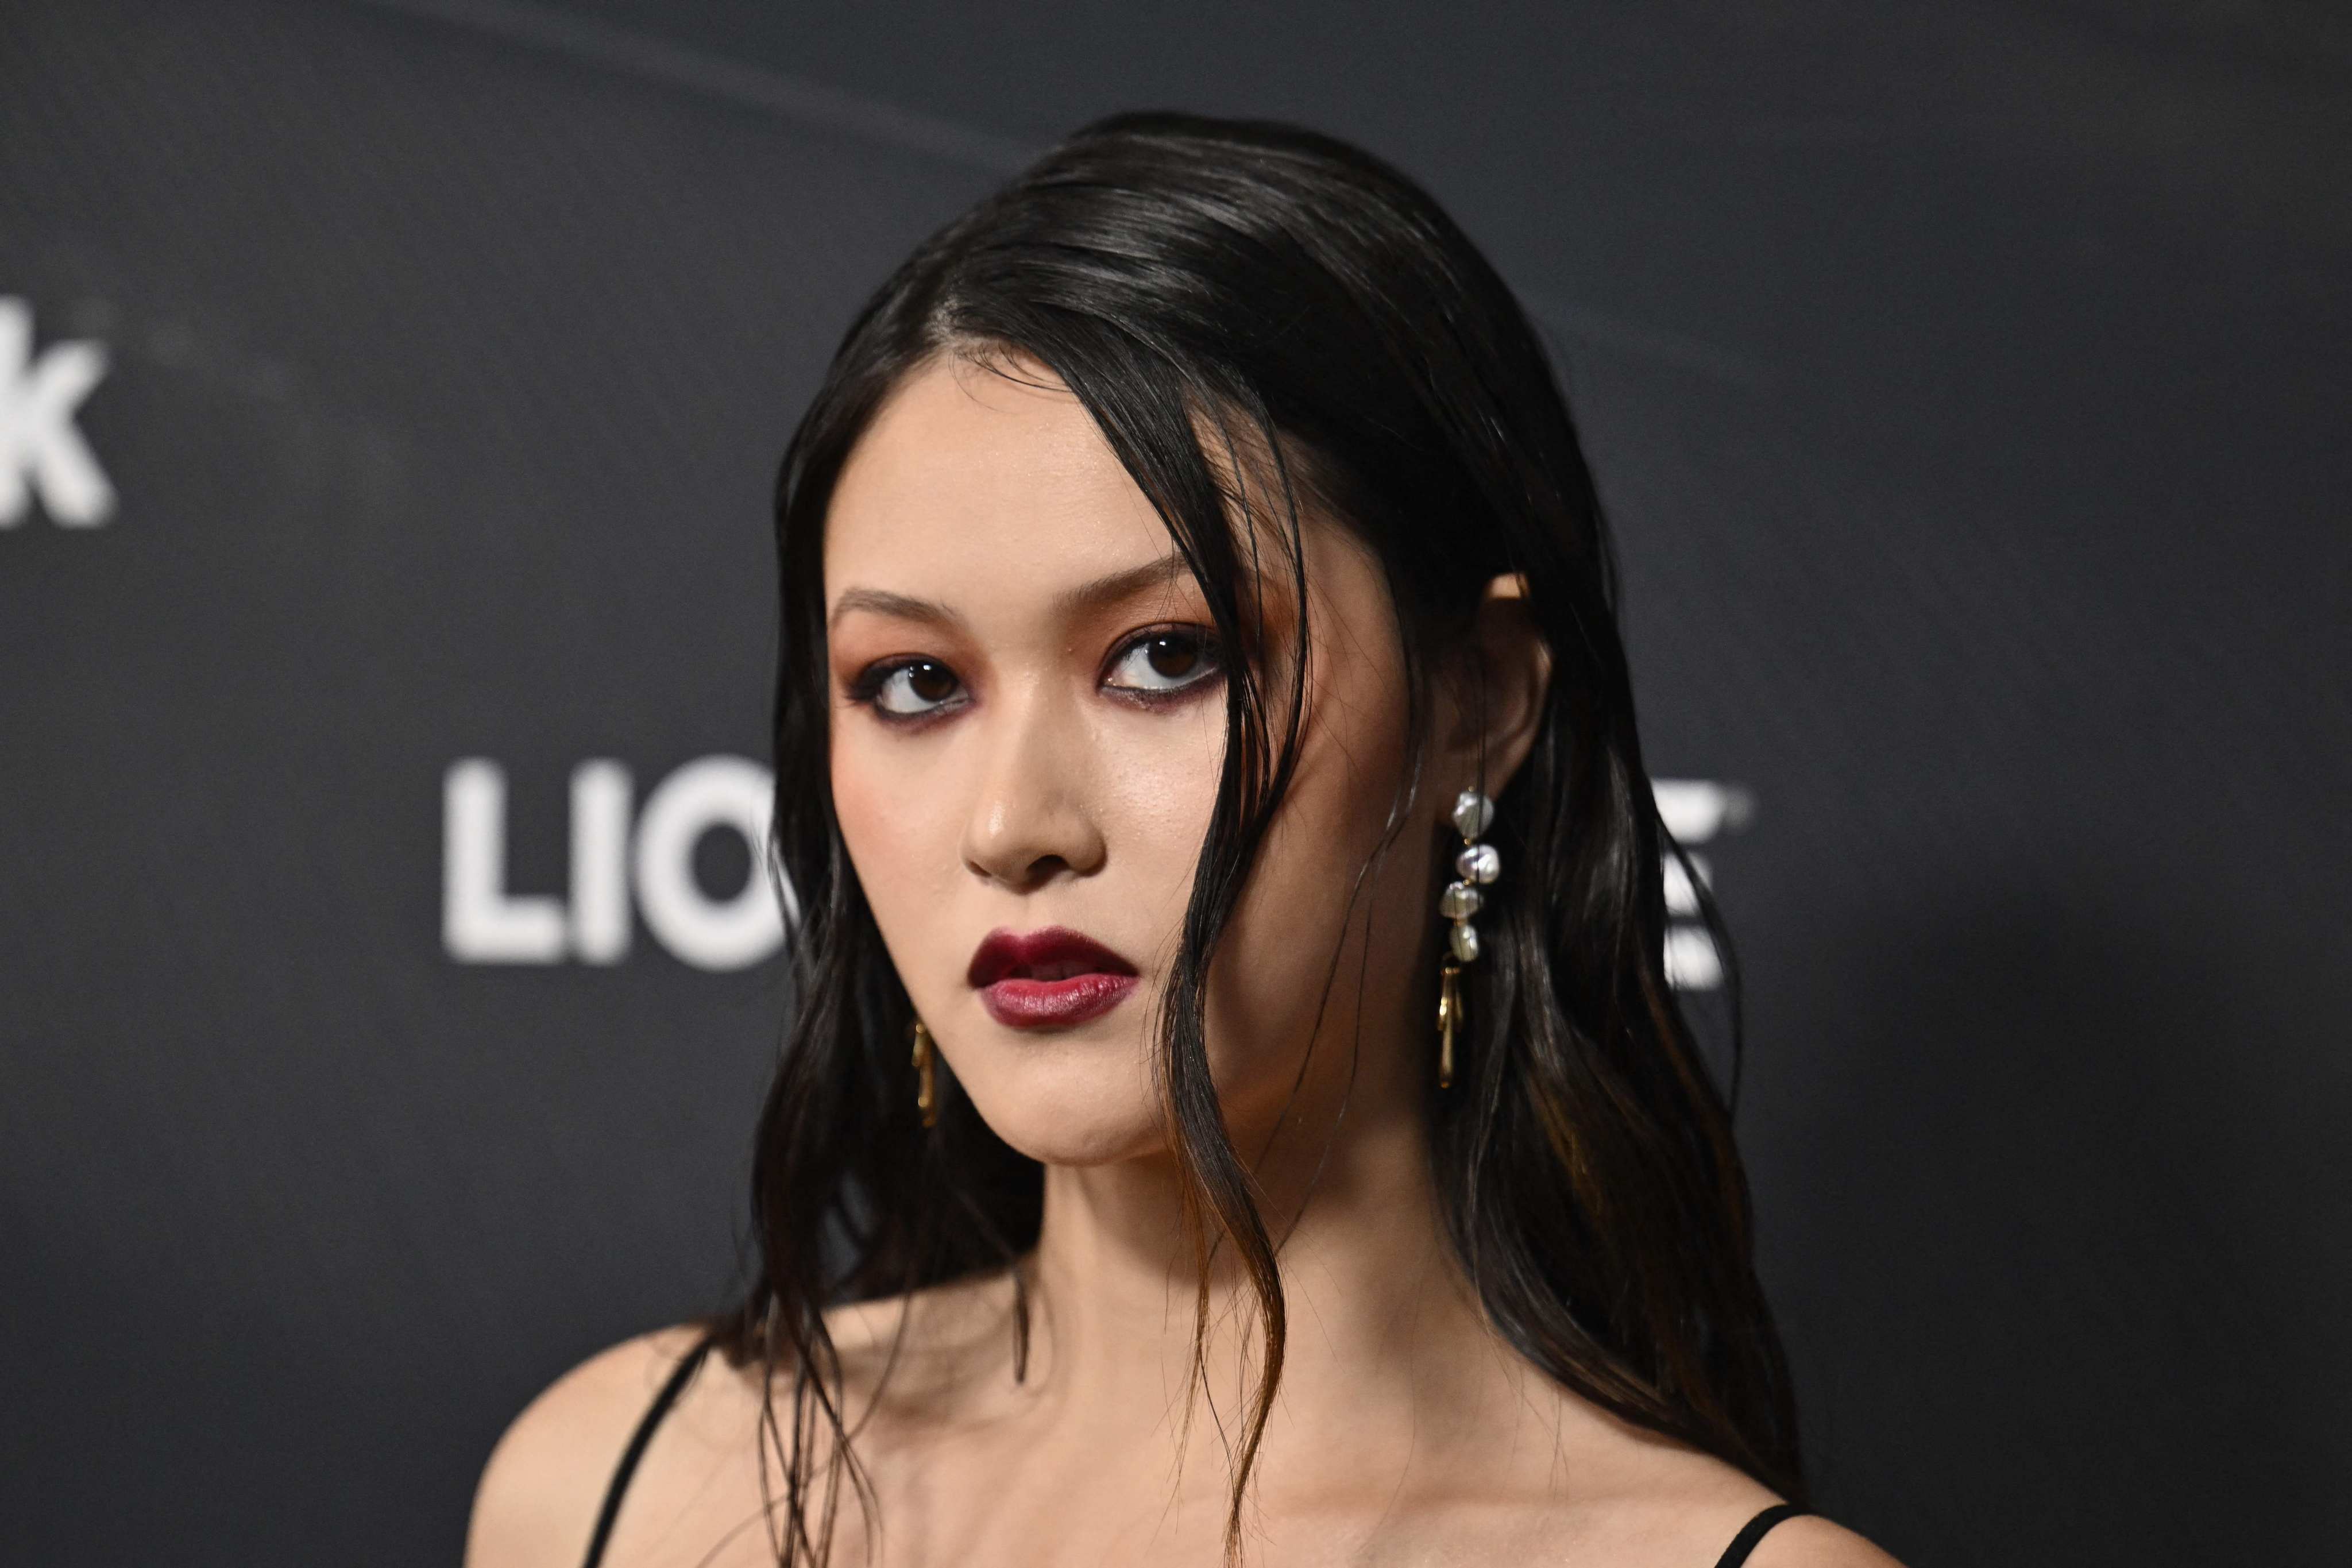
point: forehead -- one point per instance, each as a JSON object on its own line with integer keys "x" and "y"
{"x": 969, "y": 470}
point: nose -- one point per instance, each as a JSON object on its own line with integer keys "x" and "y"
{"x": 1030, "y": 819}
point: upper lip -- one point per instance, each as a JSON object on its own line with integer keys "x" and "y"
{"x": 1008, "y": 952}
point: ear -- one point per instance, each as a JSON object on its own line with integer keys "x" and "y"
{"x": 1491, "y": 701}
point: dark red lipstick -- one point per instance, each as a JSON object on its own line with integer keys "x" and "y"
{"x": 1052, "y": 977}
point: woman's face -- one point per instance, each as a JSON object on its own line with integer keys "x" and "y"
{"x": 1027, "y": 727}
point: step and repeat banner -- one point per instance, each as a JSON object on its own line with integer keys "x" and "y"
{"x": 390, "y": 396}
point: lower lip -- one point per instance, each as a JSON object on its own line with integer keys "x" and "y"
{"x": 1042, "y": 1004}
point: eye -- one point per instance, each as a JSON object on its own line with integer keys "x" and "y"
{"x": 908, "y": 689}
{"x": 1163, "y": 662}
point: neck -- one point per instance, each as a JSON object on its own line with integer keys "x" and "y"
{"x": 1371, "y": 1291}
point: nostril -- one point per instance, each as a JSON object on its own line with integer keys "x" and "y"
{"x": 1045, "y": 868}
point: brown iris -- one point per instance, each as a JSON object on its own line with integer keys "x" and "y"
{"x": 1173, "y": 657}
{"x": 931, "y": 680}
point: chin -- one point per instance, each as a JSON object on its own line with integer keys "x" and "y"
{"x": 1067, "y": 1099}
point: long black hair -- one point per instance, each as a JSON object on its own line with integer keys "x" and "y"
{"x": 1258, "y": 317}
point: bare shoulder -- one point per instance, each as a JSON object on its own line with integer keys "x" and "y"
{"x": 1640, "y": 1497}
{"x": 699, "y": 1482}
{"x": 1812, "y": 1541}
{"x": 537, "y": 1500}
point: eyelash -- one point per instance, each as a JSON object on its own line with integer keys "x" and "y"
{"x": 866, "y": 690}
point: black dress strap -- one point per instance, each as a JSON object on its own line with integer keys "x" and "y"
{"x": 636, "y": 1448}
{"x": 1753, "y": 1531}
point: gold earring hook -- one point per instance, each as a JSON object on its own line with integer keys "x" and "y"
{"x": 1449, "y": 1015}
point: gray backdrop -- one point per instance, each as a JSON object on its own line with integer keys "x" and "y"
{"x": 388, "y": 404}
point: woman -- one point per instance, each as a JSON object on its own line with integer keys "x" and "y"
{"x": 1235, "y": 1110}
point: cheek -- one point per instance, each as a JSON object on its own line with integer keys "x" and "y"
{"x": 1296, "y": 918}
{"x": 897, "y": 826}
{"x": 1155, "y": 788}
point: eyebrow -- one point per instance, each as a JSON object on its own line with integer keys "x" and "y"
{"x": 1102, "y": 590}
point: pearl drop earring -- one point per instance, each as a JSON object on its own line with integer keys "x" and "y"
{"x": 1477, "y": 865}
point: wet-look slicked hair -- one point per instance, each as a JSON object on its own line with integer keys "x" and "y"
{"x": 1265, "y": 321}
